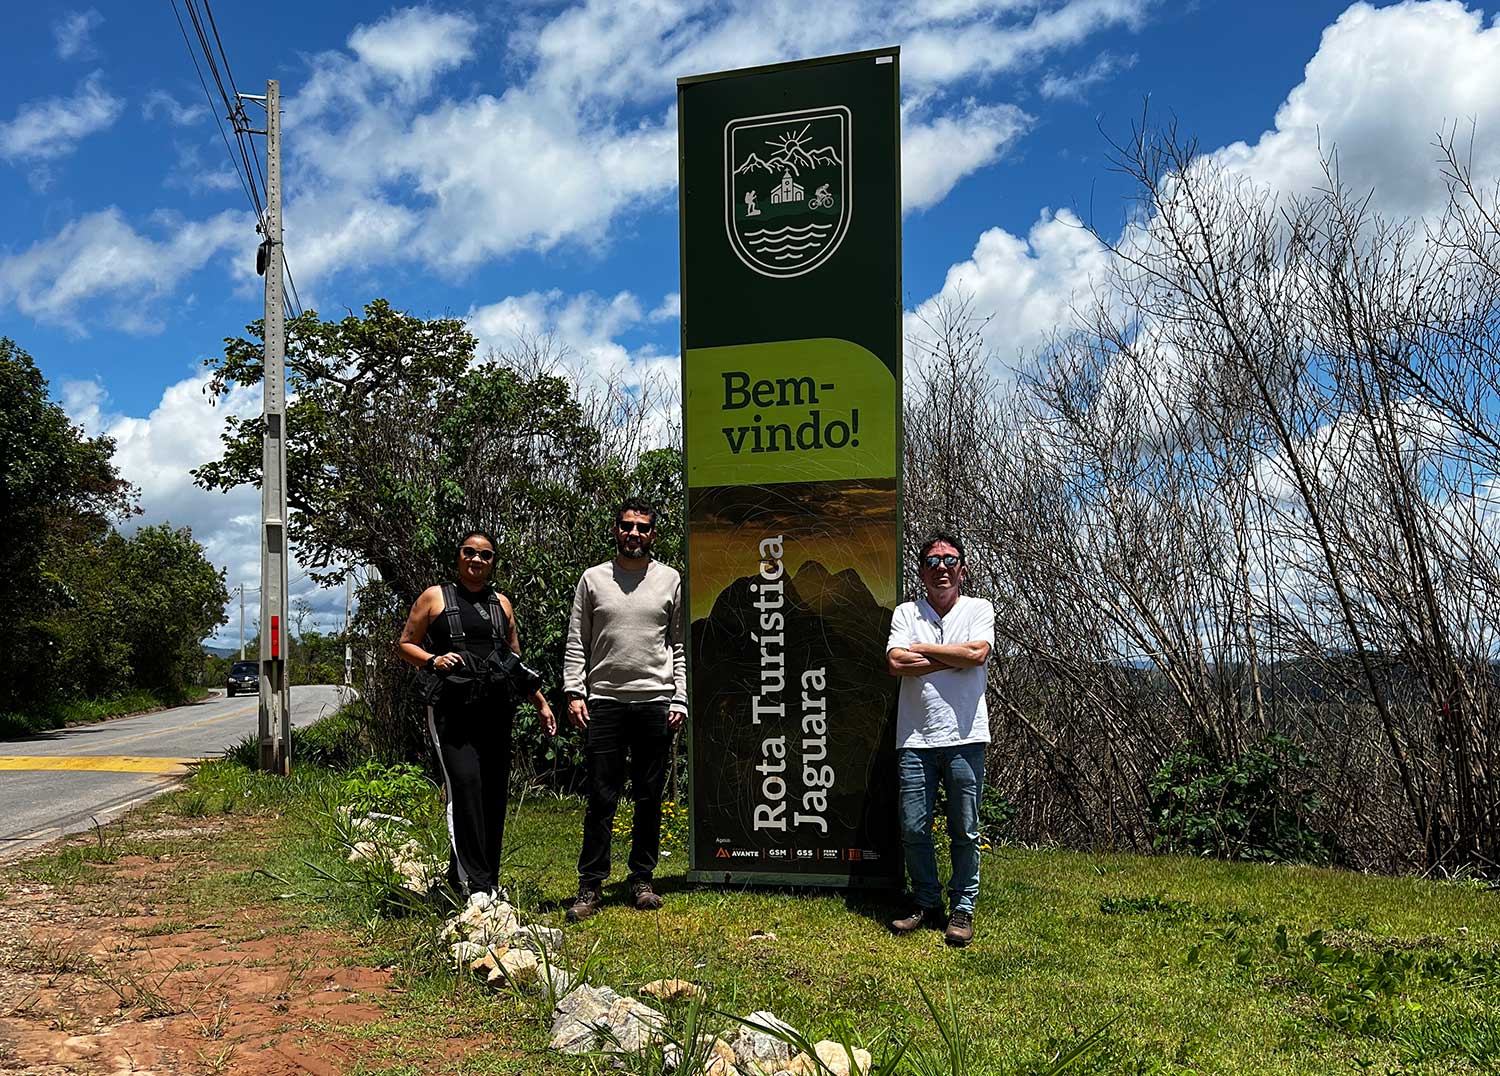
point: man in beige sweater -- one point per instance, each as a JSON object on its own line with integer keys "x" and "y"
{"x": 625, "y": 676}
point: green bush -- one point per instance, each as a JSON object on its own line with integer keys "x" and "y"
{"x": 335, "y": 742}
{"x": 1256, "y": 806}
{"x": 400, "y": 789}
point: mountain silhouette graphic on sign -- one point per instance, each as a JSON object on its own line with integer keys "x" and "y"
{"x": 790, "y": 156}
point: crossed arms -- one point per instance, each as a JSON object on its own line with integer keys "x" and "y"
{"x": 919, "y": 659}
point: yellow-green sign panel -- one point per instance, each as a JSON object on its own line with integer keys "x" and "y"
{"x": 791, "y": 381}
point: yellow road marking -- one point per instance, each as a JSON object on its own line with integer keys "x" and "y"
{"x": 96, "y": 763}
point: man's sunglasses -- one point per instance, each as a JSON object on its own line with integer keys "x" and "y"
{"x": 630, "y": 525}
{"x": 470, "y": 553}
{"x": 944, "y": 560}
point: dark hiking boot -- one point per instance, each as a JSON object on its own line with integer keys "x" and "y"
{"x": 960, "y": 930}
{"x": 586, "y": 903}
{"x": 644, "y": 897}
{"x": 917, "y": 918}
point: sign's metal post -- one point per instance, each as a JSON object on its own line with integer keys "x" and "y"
{"x": 792, "y": 352}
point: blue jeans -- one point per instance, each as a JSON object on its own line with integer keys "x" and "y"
{"x": 961, "y": 771}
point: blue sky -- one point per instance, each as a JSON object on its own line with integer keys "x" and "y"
{"x": 515, "y": 164}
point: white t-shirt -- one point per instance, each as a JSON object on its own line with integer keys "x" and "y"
{"x": 946, "y": 708}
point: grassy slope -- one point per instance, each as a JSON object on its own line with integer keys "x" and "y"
{"x": 1048, "y": 959}
{"x": 1177, "y": 952}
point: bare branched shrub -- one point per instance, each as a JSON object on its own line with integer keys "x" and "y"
{"x": 1249, "y": 492}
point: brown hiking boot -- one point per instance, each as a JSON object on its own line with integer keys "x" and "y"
{"x": 917, "y": 918}
{"x": 644, "y": 897}
{"x": 960, "y": 930}
{"x": 586, "y": 903}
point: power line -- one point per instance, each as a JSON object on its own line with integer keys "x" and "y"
{"x": 209, "y": 97}
{"x": 244, "y": 155}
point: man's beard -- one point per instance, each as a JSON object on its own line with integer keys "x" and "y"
{"x": 634, "y": 554}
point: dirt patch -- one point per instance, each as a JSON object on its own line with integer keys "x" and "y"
{"x": 117, "y": 975}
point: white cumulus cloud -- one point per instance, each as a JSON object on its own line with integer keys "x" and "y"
{"x": 73, "y": 34}
{"x": 938, "y": 151}
{"x": 52, "y": 127}
{"x": 1026, "y": 287}
{"x": 415, "y": 45}
{"x": 101, "y": 257}
{"x": 584, "y": 134}
{"x": 1383, "y": 84}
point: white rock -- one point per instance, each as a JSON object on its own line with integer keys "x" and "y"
{"x": 663, "y": 989}
{"x": 465, "y": 951}
{"x": 834, "y": 1059}
{"x": 720, "y": 1060}
{"x": 556, "y": 978}
{"x": 630, "y": 1026}
{"x": 520, "y": 966}
{"x": 759, "y": 1052}
{"x": 537, "y": 938}
{"x": 575, "y": 1017}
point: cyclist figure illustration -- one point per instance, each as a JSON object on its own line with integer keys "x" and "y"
{"x": 821, "y": 199}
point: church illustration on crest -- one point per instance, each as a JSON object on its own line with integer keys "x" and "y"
{"x": 787, "y": 191}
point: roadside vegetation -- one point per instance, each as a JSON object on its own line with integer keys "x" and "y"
{"x": 1167, "y": 964}
{"x": 94, "y": 622}
{"x": 58, "y": 715}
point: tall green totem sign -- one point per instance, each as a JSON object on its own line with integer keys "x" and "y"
{"x": 791, "y": 345}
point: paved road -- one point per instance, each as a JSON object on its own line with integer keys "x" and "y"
{"x": 62, "y": 781}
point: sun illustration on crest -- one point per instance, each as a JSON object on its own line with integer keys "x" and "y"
{"x": 789, "y": 144}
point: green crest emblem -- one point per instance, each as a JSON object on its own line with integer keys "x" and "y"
{"x": 786, "y": 188}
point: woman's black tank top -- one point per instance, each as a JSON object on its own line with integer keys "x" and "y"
{"x": 474, "y": 614}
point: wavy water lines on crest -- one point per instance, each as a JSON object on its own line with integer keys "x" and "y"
{"x": 789, "y": 246}
{"x": 776, "y": 233}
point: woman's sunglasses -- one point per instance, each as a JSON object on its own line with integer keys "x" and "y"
{"x": 470, "y": 553}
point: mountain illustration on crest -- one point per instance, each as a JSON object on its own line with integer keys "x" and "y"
{"x": 790, "y": 157}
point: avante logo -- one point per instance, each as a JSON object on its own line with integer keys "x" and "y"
{"x": 722, "y": 853}
{"x": 787, "y": 188}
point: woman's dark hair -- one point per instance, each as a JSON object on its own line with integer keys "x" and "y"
{"x": 635, "y": 504}
{"x": 942, "y": 536}
{"x": 475, "y": 532}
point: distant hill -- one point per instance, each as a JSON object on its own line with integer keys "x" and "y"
{"x": 222, "y": 651}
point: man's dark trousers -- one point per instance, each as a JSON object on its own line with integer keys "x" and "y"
{"x": 618, "y": 729}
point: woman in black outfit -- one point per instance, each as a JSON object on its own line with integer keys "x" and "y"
{"x": 451, "y": 632}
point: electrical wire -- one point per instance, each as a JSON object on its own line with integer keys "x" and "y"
{"x": 244, "y": 155}
{"x": 208, "y": 96}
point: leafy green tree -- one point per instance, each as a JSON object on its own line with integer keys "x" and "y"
{"x": 59, "y": 491}
{"x": 399, "y": 437}
{"x": 167, "y": 598}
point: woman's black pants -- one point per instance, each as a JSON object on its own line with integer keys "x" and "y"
{"x": 473, "y": 742}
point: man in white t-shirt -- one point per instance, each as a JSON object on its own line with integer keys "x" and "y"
{"x": 939, "y": 645}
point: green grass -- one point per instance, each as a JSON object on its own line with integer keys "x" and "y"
{"x": 1181, "y": 965}
{"x": 14, "y": 725}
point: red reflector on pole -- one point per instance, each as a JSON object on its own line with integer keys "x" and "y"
{"x": 276, "y": 637}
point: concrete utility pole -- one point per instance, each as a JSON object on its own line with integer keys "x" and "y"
{"x": 275, "y": 701}
{"x": 241, "y": 589}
